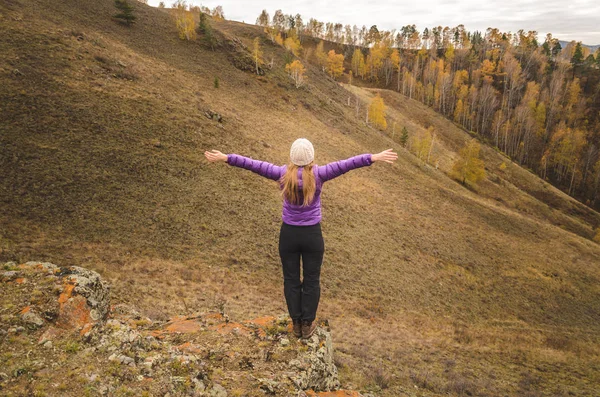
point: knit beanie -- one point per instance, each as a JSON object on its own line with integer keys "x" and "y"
{"x": 302, "y": 152}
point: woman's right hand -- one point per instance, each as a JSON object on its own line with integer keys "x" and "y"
{"x": 387, "y": 155}
{"x": 215, "y": 155}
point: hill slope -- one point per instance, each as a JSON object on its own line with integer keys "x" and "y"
{"x": 425, "y": 283}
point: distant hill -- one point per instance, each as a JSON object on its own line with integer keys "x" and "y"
{"x": 429, "y": 287}
{"x": 593, "y": 48}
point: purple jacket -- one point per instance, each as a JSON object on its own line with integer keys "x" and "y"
{"x": 293, "y": 214}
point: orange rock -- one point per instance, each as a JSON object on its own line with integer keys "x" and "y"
{"x": 74, "y": 313}
{"x": 263, "y": 321}
{"x": 66, "y": 294}
{"x": 189, "y": 347}
{"x": 20, "y": 280}
{"x": 25, "y": 309}
{"x": 157, "y": 333}
{"x": 85, "y": 329}
{"x": 177, "y": 318}
{"x": 184, "y": 326}
{"x": 213, "y": 318}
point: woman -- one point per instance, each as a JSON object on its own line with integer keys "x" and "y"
{"x": 300, "y": 236}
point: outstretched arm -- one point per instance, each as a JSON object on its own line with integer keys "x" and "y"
{"x": 262, "y": 168}
{"x": 337, "y": 168}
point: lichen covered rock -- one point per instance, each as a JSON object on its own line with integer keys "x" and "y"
{"x": 56, "y": 299}
{"x": 316, "y": 368}
{"x": 63, "y": 315}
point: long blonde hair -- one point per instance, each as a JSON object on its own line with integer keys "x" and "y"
{"x": 290, "y": 184}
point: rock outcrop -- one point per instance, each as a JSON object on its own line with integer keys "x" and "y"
{"x": 77, "y": 299}
{"x": 61, "y": 330}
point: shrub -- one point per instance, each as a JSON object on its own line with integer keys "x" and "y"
{"x": 125, "y": 14}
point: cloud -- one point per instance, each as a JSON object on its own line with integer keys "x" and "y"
{"x": 572, "y": 20}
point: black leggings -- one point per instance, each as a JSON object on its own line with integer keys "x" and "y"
{"x": 302, "y": 297}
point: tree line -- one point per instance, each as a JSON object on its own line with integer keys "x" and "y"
{"x": 537, "y": 102}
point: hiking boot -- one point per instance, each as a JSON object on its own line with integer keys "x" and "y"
{"x": 308, "y": 328}
{"x": 297, "y": 328}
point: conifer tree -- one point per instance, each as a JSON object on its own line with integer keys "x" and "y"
{"x": 577, "y": 58}
{"x": 205, "y": 29}
{"x": 404, "y": 137}
{"x": 125, "y": 13}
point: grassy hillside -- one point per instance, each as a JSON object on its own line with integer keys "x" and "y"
{"x": 430, "y": 288}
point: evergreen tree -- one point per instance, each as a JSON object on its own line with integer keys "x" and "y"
{"x": 556, "y": 48}
{"x": 203, "y": 24}
{"x": 206, "y": 31}
{"x": 125, "y": 13}
{"x": 577, "y": 58}
{"x": 404, "y": 137}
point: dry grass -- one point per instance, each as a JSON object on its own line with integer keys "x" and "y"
{"x": 491, "y": 292}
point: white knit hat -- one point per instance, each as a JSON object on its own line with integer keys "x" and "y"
{"x": 302, "y": 152}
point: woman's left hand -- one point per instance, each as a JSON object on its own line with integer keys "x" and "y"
{"x": 387, "y": 155}
{"x": 215, "y": 155}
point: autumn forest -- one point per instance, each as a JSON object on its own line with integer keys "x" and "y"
{"x": 535, "y": 101}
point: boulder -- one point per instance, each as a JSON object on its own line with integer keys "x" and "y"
{"x": 315, "y": 367}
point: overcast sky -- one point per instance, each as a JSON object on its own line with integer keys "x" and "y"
{"x": 567, "y": 20}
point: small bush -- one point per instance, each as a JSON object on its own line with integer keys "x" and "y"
{"x": 125, "y": 14}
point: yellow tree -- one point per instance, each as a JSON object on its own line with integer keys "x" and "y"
{"x": 335, "y": 64}
{"x": 469, "y": 167}
{"x": 293, "y": 44}
{"x": 321, "y": 56}
{"x": 271, "y": 31}
{"x": 375, "y": 59}
{"x": 377, "y": 112}
{"x": 357, "y": 59}
{"x": 186, "y": 26}
{"x": 422, "y": 143}
{"x": 257, "y": 54}
{"x": 296, "y": 71}
{"x": 279, "y": 39}
{"x": 458, "y": 111}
